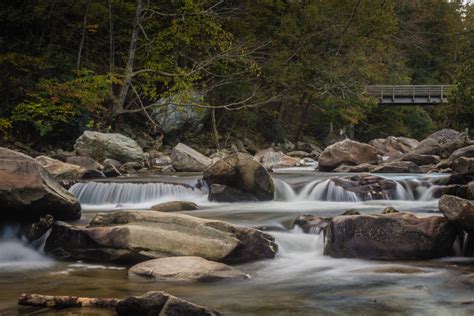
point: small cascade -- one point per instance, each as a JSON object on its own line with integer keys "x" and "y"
{"x": 16, "y": 254}
{"x": 283, "y": 191}
{"x": 118, "y": 194}
{"x": 332, "y": 190}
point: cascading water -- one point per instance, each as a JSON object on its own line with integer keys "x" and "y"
{"x": 16, "y": 254}
{"x": 133, "y": 195}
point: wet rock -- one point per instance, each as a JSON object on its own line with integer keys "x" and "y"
{"x": 298, "y": 154}
{"x": 368, "y": 186}
{"x": 175, "y": 206}
{"x": 389, "y": 237}
{"x": 394, "y": 146}
{"x": 462, "y": 191}
{"x": 28, "y": 191}
{"x": 350, "y": 212}
{"x": 85, "y": 162}
{"x": 276, "y": 159}
{"x": 136, "y": 236}
{"x": 100, "y": 146}
{"x": 61, "y": 170}
{"x": 38, "y": 229}
{"x": 161, "y": 303}
{"x": 242, "y": 173}
{"x": 184, "y": 158}
{"x": 93, "y": 174}
{"x": 110, "y": 170}
{"x": 397, "y": 167}
{"x": 442, "y": 143}
{"x": 185, "y": 269}
{"x": 459, "y": 211}
{"x": 463, "y": 166}
{"x": 389, "y": 210}
{"x": 420, "y": 160}
{"x": 311, "y": 224}
{"x": 347, "y": 152}
{"x": 224, "y": 193}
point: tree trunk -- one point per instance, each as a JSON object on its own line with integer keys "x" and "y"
{"x": 66, "y": 301}
{"x": 127, "y": 78}
{"x": 83, "y": 36}
{"x": 304, "y": 115}
{"x": 214, "y": 128}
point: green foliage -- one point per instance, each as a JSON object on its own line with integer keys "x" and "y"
{"x": 57, "y": 110}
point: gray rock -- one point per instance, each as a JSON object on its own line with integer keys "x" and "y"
{"x": 224, "y": 193}
{"x": 392, "y": 236}
{"x": 466, "y": 152}
{"x": 394, "y": 146}
{"x": 28, "y": 191}
{"x": 100, "y": 146}
{"x": 184, "y": 158}
{"x": 463, "y": 166}
{"x": 347, "y": 152}
{"x": 459, "y": 211}
{"x": 135, "y": 236}
{"x": 185, "y": 269}
{"x": 241, "y": 172}
{"x": 397, "y": 167}
{"x": 276, "y": 159}
{"x": 85, "y": 162}
{"x": 161, "y": 303}
{"x": 442, "y": 143}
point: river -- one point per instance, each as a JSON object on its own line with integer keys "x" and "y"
{"x": 300, "y": 280}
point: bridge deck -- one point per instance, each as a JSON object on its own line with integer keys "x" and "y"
{"x": 410, "y": 94}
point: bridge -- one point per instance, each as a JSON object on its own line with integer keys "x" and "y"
{"x": 410, "y": 94}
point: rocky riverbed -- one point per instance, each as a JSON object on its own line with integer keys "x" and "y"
{"x": 385, "y": 226}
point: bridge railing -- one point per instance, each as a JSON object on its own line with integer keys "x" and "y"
{"x": 395, "y": 92}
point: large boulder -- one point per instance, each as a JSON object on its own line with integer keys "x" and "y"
{"x": 161, "y": 303}
{"x": 184, "y": 158}
{"x": 28, "y": 191}
{"x": 347, "y": 152}
{"x": 463, "y": 165}
{"x": 136, "y": 236}
{"x": 185, "y": 269}
{"x": 242, "y": 172}
{"x": 394, "y": 146}
{"x": 61, "y": 170}
{"x": 466, "y": 152}
{"x": 397, "y": 167}
{"x": 100, "y": 146}
{"x": 458, "y": 211}
{"x": 225, "y": 193}
{"x": 442, "y": 143}
{"x": 390, "y": 236}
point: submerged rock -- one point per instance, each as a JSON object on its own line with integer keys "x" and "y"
{"x": 175, "y": 206}
{"x": 347, "y": 152}
{"x": 185, "y": 269}
{"x": 141, "y": 235}
{"x": 160, "y": 303}
{"x": 184, "y": 158}
{"x": 28, "y": 191}
{"x": 100, "y": 146}
{"x": 389, "y": 237}
{"x": 242, "y": 173}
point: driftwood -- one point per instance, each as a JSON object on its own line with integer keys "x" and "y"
{"x": 66, "y": 301}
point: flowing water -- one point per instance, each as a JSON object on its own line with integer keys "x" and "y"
{"x": 300, "y": 280}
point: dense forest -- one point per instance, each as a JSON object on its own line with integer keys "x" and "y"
{"x": 204, "y": 71}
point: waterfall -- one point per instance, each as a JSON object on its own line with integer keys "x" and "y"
{"x": 283, "y": 191}
{"x": 116, "y": 195}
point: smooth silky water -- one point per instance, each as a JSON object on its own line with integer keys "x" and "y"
{"x": 300, "y": 280}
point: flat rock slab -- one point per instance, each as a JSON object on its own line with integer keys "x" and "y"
{"x": 186, "y": 268}
{"x": 175, "y": 206}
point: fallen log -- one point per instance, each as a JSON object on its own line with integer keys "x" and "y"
{"x": 66, "y": 301}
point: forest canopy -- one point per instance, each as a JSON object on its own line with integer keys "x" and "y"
{"x": 273, "y": 68}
